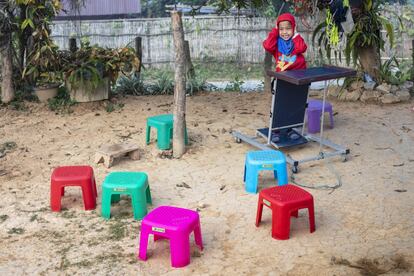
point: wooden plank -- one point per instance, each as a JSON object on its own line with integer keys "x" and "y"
{"x": 117, "y": 150}
{"x": 108, "y": 153}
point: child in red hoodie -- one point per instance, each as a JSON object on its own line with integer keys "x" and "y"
{"x": 285, "y": 45}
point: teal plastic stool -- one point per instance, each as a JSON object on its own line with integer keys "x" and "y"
{"x": 134, "y": 184}
{"x": 164, "y": 125}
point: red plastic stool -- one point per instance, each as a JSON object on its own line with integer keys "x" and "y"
{"x": 73, "y": 176}
{"x": 285, "y": 201}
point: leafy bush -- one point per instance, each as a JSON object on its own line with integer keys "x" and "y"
{"x": 110, "y": 107}
{"x": 89, "y": 65}
{"x": 393, "y": 72}
{"x": 164, "y": 85}
{"x": 62, "y": 102}
{"x": 130, "y": 85}
{"x": 195, "y": 84}
{"x": 235, "y": 85}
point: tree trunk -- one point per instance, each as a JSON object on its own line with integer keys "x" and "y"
{"x": 189, "y": 68}
{"x": 7, "y": 90}
{"x": 179, "y": 88}
{"x": 370, "y": 61}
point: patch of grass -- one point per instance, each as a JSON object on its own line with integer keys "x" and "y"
{"x": 7, "y": 147}
{"x": 117, "y": 230}
{"x": 56, "y": 234}
{"x": 228, "y": 71}
{"x": 132, "y": 258}
{"x": 64, "y": 262}
{"x": 33, "y": 218}
{"x": 83, "y": 263}
{"x": 92, "y": 243}
{"x": 109, "y": 257}
{"x": 18, "y": 105}
{"x": 16, "y": 230}
{"x": 214, "y": 71}
{"x": 124, "y": 215}
{"x": 373, "y": 267}
{"x": 68, "y": 214}
{"x": 110, "y": 107}
{"x": 3, "y": 218}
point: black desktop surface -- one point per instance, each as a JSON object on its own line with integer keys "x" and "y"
{"x": 307, "y": 76}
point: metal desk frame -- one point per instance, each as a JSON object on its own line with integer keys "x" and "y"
{"x": 338, "y": 149}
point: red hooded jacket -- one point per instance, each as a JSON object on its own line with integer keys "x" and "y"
{"x": 295, "y": 60}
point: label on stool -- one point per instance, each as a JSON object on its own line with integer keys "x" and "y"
{"x": 267, "y": 166}
{"x": 158, "y": 229}
{"x": 120, "y": 189}
{"x": 267, "y": 202}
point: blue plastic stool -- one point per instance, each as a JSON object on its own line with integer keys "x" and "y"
{"x": 264, "y": 160}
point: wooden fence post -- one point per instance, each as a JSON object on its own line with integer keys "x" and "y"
{"x": 412, "y": 56}
{"x": 148, "y": 36}
{"x": 179, "y": 87}
{"x": 267, "y": 66}
{"x": 72, "y": 44}
{"x": 138, "y": 50}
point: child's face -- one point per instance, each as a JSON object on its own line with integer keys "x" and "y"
{"x": 285, "y": 30}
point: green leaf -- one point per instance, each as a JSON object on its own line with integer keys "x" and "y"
{"x": 389, "y": 29}
{"x": 27, "y": 22}
{"x": 316, "y": 31}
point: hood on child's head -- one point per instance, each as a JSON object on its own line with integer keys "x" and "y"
{"x": 286, "y": 17}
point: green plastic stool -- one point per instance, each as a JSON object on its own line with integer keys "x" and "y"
{"x": 134, "y": 184}
{"x": 164, "y": 125}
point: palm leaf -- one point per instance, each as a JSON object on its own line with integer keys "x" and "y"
{"x": 388, "y": 27}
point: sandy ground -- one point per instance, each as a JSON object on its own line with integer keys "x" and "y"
{"x": 366, "y": 226}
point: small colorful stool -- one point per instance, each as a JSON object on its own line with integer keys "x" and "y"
{"x": 314, "y": 113}
{"x": 164, "y": 125}
{"x": 264, "y": 160}
{"x": 134, "y": 184}
{"x": 285, "y": 201}
{"x": 73, "y": 176}
{"x": 175, "y": 224}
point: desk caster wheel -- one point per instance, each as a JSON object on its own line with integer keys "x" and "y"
{"x": 295, "y": 169}
{"x": 238, "y": 140}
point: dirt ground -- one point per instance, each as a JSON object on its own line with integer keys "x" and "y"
{"x": 364, "y": 227}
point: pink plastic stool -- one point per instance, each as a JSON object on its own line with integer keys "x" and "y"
{"x": 175, "y": 224}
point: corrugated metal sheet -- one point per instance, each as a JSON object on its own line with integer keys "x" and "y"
{"x": 104, "y": 8}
